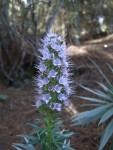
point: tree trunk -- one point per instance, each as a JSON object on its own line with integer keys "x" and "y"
{"x": 53, "y": 17}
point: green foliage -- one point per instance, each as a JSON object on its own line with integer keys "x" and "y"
{"x": 46, "y": 139}
{"x": 103, "y": 113}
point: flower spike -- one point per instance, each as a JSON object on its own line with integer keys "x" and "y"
{"x": 53, "y": 81}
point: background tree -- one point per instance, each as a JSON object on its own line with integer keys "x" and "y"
{"x": 23, "y": 23}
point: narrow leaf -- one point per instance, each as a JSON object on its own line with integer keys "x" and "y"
{"x": 107, "y": 134}
{"x": 97, "y": 92}
{"x": 101, "y": 72}
{"x": 110, "y": 68}
{"x": 92, "y": 99}
{"x": 90, "y": 116}
{"x": 106, "y": 116}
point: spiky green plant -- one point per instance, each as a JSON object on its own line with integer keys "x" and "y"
{"x": 57, "y": 137}
{"x": 103, "y": 113}
{"x": 52, "y": 95}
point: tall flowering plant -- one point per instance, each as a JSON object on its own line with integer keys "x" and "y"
{"x": 52, "y": 94}
{"x": 52, "y": 83}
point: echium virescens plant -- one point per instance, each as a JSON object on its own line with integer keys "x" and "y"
{"x": 52, "y": 94}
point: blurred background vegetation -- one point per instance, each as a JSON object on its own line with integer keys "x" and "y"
{"x": 24, "y": 22}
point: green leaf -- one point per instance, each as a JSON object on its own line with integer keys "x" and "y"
{"x": 29, "y": 137}
{"x": 17, "y": 148}
{"x": 92, "y": 99}
{"x": 110, "y": 68}
{"x": 103, "y": 95}
{"x": 3, "y": 97}
{"x": 105, "y": 88}
{"x": 91, "y": 105}
{"x": 97, "y": 92}
{"x": 107, "y": 134}
{"x": 101, "y": 72}
{"x": 24, "y": 146}
{"x": 106, "y": 115}
{"x": 56, "y": 143}
{"x": 90, "y": 116}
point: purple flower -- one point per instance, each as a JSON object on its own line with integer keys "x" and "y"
{"x": 38, "y": 103}
{"x": 61, "y": 54}
{"x": 68, "y": 90}
{"x": 66, "y": 102}
{"x": 60, "y": 39}
{"x": 52, "y": 74}
{"x": 45, "y": 41}
{"x": 42, "y": 82}
{"x": 64, "y": 72}
{"x": 56, "y": 47}
{"x": 63, "y": 47}
{"x": 56, "y": 106}
{"x": 52, "y": 56}
{"x": 46, "y": 56}
{"x": 66, "y": 63}
{"x": 46, "y": 81}
{"x": 51, "y": 35}
{"x": 42, "y": 67}
{"x": 53, "y": 40}
{"x": 53, "y": 45}
{"x": 58, "y": 88}
{"x": 53, "y": 83}
{"x": 46, "y": 98}
{"x": 63, "y": 80}
{"x": 57, "y": 62}
{"x": 61, "y": 97}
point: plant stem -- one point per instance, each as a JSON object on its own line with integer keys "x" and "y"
{"x": 49, "y": 125}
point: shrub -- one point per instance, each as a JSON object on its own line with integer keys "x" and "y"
{"x": 103, "y": 113}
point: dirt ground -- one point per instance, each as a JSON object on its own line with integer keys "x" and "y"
{"x": 17, "y": 111}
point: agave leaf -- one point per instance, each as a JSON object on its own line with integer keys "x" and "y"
{"x": 103, "y": 95}
{"x": 101, "y": 72}
{"x": 110, "y": 68}
{"x": 106, "y": 115}
{"x": 89, "y": 116}
{"x": 92, "y": 112}
{"x": 91, "y": 105}
{"x": 106, "y": 135}
{"x": 97, "y": 92}
{"x": 85, "y": 121}
{"x": 104, "y": 87}
{"x": 88, "y": 89}
{"x": 92, "y": 99}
